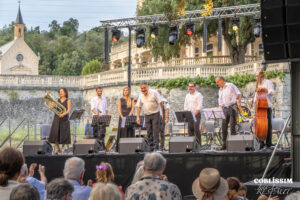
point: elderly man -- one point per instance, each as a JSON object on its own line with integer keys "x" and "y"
{"x": 151, "y": 102}
{"x": 230, "y": 102}
{"x": 59, "y": 189}
{"x": 153, "y": 184}
{"x": 74, "y": 172}
{"x": 24, "y": 192}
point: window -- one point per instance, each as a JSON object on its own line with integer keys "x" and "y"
{"x": 196, "y": 52}
{"x": 209, "y": 50}
{"x": 260, "y": 49}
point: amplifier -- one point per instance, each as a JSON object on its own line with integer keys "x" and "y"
{"x": 37, "y": 147}
{"x": 242, "y": 143}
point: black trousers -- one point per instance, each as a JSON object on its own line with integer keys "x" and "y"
{"x": 193, "y": 128}
{"x": 162, "y": 132}
{"x": 153, "y": 126}
{"x": 230, "y": 118}
{"x": 269, "y": 133}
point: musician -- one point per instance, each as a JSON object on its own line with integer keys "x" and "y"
{"x": 194, "y": 102}
{"x": 60, "y": 129}
{"x": 164, "y": 119}
{"x": 267, "y": 86}
{"x": 230, "y": 102}
{"x": 99, "y": 108}
{"x": 125, "y": 108}
{"x": 150, "y": 101}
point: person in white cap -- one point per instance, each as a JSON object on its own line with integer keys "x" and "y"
{"x": 210, "y": 185}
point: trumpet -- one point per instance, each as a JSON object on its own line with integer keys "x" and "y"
{"x": 53, "y": 105}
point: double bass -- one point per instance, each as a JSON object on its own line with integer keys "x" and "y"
{"x": 261, "y": 106}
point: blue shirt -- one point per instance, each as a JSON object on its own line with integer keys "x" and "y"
{"x": 39, "y": 185}
{"x": 80, "y": 192}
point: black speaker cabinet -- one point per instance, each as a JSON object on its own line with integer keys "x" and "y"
{"x": 179, "y": 144}
{"x": 131, "y": 145}
{"x": 242, "y": 143}
{"x": 86, "y": 146}
{"x": 37, "y": 147}
{"x": 280, "y": 29}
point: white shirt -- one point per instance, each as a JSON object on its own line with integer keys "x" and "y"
{"x": 193, "y": 102}
{"x": 228, "y": 95}
{"x": 267, "y": 84}
{"x": 5, "y": 191}
{"x": 165, "y": 104}
{"x": 150, "y": 103}
{"x": 99, "y": 104}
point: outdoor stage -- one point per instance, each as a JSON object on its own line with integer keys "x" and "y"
{"x": 181, "y": 168}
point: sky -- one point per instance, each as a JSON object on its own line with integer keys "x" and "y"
{"x": 87, "y": 12}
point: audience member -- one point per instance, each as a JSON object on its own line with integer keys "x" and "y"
{"x": 139, "y": 172}
{"x": 24, "y": 192}
{"x": 234, "y": 186}
{"x": 59, "y": 189}
{"x": 210, "y": 185}
{"x": 264, "y": 197}
{"x": 39, "y": 185}
{"x": 105, "y": 191}
{"x": 104, "y": 173}
{"x": 243, "y": 191}
{"x": 11, "y": 162}
{"x": 74, "y": 172}
{"x": 293, "y": 196}
{"x": 152, "y": 185}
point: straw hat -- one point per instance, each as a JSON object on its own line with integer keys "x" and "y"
{"x": 210, "y": 180}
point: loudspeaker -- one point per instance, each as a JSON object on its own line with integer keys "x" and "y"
{"x": 181, "y": 144}
{"x": 45, "y": 131}
{"x": 280, "y": 29}
{"x": 242, "y": 143}
{"x": 131, "y": 145}
{"x": 37, "y": 147}
{"x": 86, "y": 146}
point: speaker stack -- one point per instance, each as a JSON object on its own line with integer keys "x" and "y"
{"x": 86, "y": 146}
{"x": 42, "y": 147}
{"x": 281, "y": 30}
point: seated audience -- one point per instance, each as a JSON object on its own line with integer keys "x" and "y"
{"x": 210, "y": 185}
{"x": 105, "y": 191}
{"x": 11, "y": 162}
{"x": 234, "y": 185}
{"x": 243, "y": 191}
{"x": 39, "y": 185}
{"x": 139, "y": 172}
{"x": 152, "y": 185}
{"x": 74, "y": 172}
{"x": 24, "y": 192}
{"x": 59, "y": 189}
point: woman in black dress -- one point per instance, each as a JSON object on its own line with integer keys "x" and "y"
{"x": 125, "y": 108}
{"x": 60, "y": 129}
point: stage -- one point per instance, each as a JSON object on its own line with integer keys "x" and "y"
{"x": 181, "y": 168}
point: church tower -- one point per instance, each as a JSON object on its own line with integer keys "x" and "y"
{"x": 19, "y": 26}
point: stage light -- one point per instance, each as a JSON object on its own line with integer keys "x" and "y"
{"x": 140, "y": 36}
{"x": 189, "y": 28}
{"x": 153, "y": 31}
{"x": 116, "y": 34}
{"x": 235, "y": 24}
{"x": 257, "y": 26}
{"x": 173, "y": 34}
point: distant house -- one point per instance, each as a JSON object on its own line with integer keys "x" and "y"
{"x": 16, "y": 57}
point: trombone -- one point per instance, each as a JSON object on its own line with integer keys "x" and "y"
{"x": 53, "y": 105}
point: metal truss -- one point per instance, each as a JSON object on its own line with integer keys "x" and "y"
{"x": 190, "y": 16}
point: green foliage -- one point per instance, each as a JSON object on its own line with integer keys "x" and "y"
{"x": 94, "y": 66}
{"x": 160, "y": 47}
{"x": 240, "y": 80}
{"x": 13, "y": 95}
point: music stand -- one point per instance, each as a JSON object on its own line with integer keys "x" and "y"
{"x": 104, "y": 120}
{"x": 184, "y": 116}
{"x": 76, "y": 115}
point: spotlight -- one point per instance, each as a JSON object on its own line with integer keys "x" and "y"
{"x": 153, "y": 31}
{"x": 257, "y": 26}
{"x": 235, "y": 24}
{"x": 116, "y": 34}
{"x": 189, "y": 28}
{"x": 140, "y": 37}
{"x": 173, "y": 34}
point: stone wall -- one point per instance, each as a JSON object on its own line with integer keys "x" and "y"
{"x": 18, "y": 103}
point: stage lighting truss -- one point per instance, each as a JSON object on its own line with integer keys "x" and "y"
{"x": 116, "y": 34}
{"x": 140, "y": 36}
{"x": 153, "y": 31}
{"x": 189, "y": 28}
{"x": 173, "y": 34}
{"x": 190, "y": 16}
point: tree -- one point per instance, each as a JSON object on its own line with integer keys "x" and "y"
{"x": 70, "y": 28}
{"x": 93, "y": 45}
{"x": 236, "y": 41}
{"x": 70, "y": 63}
{"x": 92, "y": 67}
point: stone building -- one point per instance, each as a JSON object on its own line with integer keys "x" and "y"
{"x": 16, "y": 57}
